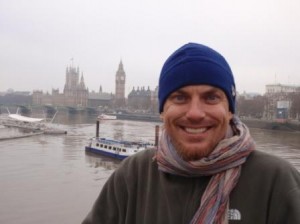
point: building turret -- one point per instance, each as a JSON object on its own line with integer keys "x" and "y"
{"x": 75, "y": 91}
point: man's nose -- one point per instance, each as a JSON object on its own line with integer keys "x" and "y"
{"x": 196, "y": 109}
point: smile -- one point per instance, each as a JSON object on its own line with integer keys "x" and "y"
{"x": 195, "y": 130}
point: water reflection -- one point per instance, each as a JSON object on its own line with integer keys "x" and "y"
{"x": 283, "y": 144}
{"x": 290, "y": 139}
{"x": 79, "y": 118}
{"x": 112, "y": 129}
{"x": 9, "y": 132}
{"x": 101, "y": 161}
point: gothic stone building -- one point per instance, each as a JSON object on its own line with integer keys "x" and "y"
{"x": 100, "y": 99}
{"x": 75, "y": 93}
{"x": 140, "y": 99}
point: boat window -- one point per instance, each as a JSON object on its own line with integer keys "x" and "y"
{"x": 105, "y": 146}
{"x": 114, "y": 148}
{"x": 123, "y": 150}
{"x": 101, "y": 145}
{"x": 97, "y": 144}
{"x": 109, "y": 147}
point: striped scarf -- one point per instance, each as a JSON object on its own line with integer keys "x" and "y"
{"x": 223, "y": 164}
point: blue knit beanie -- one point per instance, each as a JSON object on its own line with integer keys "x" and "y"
{"x": 194, "y": 64}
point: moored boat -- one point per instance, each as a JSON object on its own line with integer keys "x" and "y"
{"x": 118, "y": 149}
{"x": 32, "y": 124}
{"x": 114, "y": 148}
{"x": 107, "y": 117}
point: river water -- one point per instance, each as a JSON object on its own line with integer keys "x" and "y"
{"x": 50, "y": 179}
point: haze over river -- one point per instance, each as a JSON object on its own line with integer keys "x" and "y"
{"x": 50, "y": 179}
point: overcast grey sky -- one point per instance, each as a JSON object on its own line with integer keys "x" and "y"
{"x": 259, "y": 38}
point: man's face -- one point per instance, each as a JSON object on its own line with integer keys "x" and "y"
{"x": 196, "y": 118}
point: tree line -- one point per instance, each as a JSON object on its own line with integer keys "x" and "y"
{"x": 258, "y": 106}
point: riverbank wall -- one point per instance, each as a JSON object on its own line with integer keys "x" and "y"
{"x": 272, "y": 125}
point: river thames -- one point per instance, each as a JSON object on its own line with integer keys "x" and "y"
{"x": 50, "y": 179}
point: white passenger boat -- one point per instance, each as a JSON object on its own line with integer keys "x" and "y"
{"x": 114, "y": 148}
{"x": 107, "y": 117}
{"x": 118, "y": 149}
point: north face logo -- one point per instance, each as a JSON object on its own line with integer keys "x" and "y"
{"x": 234, "y": 214}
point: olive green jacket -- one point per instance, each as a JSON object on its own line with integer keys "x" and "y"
{"x": 268, "y": 192}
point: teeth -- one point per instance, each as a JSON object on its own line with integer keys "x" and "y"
{"x": 195, "y": 130}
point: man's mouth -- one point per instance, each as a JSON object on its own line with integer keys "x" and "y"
{"x": 195, "y": 130}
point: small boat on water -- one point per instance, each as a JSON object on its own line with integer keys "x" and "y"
{"x": 114, "y": 148}
{"x": 107, "y": 117}
{"x": 118, "y": 149}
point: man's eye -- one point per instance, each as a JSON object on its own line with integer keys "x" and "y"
{"x": 213, "y": 98}
{"x": 179, "y": 98}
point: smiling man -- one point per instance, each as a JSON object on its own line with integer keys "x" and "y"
{"x": 205, "y": 169}
{"x": 196, "y": 119}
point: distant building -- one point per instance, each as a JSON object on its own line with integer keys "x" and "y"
{"x": 154, "y": 101}
{"x": 139, "y": 99}
{"x": 143, "y": 100}
{"x": 120, "y": 87}
{"x": 278, "y": 100}
{"x": 100, "y": 99}
{"x": 75, "y": 93}
{"x": 248, "y": 96}
{"x": 279, "y": 88}
{"x": 12, "y": 97}
{"x": 58, "y": 98}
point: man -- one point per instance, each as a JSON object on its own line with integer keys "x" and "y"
{"x": 206, "y": 169}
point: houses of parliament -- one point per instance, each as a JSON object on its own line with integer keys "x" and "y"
{"x": 76, "y": 94}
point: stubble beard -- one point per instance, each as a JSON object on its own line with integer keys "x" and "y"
{"x": 189, "y": 153}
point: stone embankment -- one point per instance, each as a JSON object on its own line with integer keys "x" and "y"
{"x": 272, "y": 125}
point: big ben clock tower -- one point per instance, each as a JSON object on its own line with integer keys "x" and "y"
{"x": 120, "y": 86}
